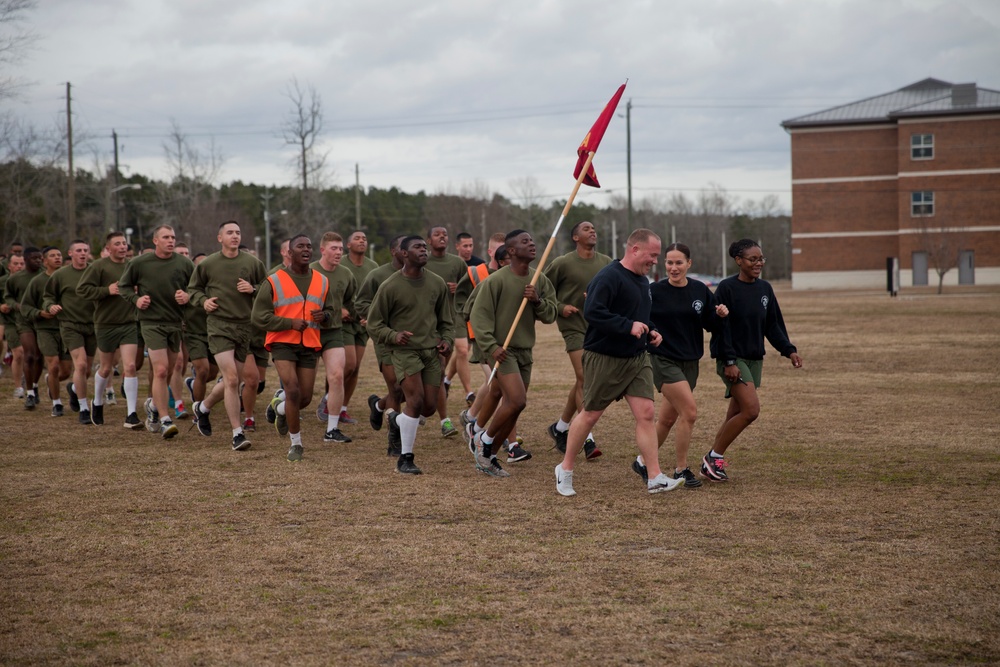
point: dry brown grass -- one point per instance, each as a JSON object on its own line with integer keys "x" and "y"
{"x": 861, "y": 526}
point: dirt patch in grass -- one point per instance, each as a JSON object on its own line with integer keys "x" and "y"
{"x": 861, "y": 525}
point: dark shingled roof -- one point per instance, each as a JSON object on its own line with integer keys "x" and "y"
{"x": 927, "y": 97}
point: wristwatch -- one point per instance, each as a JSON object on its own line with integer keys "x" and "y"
{"x": 730, "y": 362}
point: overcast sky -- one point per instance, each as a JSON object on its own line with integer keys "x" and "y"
{"x": 436, "y": 94}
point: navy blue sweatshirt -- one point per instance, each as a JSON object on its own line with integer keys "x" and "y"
{"x": 680, "y": 314}
{"x": 616, "y": 298}
{"x": 753, "y": 316}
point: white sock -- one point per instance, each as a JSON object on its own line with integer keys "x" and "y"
{"x": 407, "y": 431}
{"x": 562, "y": 426}
{"x": 641, "y": 461}
{"x": 332, "y": 422}
{"x": 237, "y": 431}
{"x": 100, "y": 386}
{"x": 131, "y": 394}
{"x": 56, "y": 401}
{"x": 280, "y": 409}
{"x": 84, "y": 405}
{"x": 343, "y": 408}
{"x": 714, "y": 455}
{"x": 202, "y": 409}
{"x": 296, "y": 439}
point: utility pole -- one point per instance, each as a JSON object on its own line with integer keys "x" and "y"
{"x": 114, "y": 137}
{"x": 357, "y": 197}
{"x": 266, "y": 198}
{"x": 628, "y": 155}
{"x": 70, "y": 185}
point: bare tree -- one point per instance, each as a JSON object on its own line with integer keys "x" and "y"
{"x": 15, "y": 43}
{"x": 302, "y": 129}
{"x": 943, "y": 242}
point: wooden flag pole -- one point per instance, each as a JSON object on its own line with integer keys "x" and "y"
{"x": 545, "y": 256}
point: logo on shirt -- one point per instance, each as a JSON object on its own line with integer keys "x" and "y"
{"x": 763, "y": 301}
{"x": 698, "y": 305}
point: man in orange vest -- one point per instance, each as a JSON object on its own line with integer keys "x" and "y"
{"x": 291, "y": 305}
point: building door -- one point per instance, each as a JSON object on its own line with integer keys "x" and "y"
{"x": 919, "y": 262}
{"x": 967, "y": 267}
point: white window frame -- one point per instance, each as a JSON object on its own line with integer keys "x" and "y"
{"x": 921, "y": 146}
{"x": 922, "y": 204}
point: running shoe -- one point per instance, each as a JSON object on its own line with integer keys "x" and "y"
{"x": 74, "y": 400}
{"x": 132, "y": 422}
{"x": 202, "y": 419}
{"x": 240, "y": 442}
{"x": 57, "y": 410}
{"x": 375, "y": 416}
{"x": 336, "y": 435}
{"x": 395, "y": 439}
{"x": 448, "y": 429}
{"x": 640, "y": 470}
{"x": 564, "y": 481}
{"x": 690, "y": 481}
{"x": 663, "y": 482}
{"x": 590, "y": 449}
{"x": 321, "y": 412}
{"x": 346, "y": 418}
{"x": 97, "y": 415}
{"x": 249, "y": 425}
{"x": 714, "y": 468}
{"x": 558, "y": 437}
{"x": 85, "y": 417}
{"x": 406, "y": 465}
{"x": 295, "y": 453}
{"x": 517, "y": 453}
{"x": 168, "y": 430}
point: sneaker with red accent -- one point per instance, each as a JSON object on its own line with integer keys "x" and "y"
{"x": 714, "y": 468}
{"x": 590, "y": 449}
{"x": 346, "y": 418}
{"x": 249, "y": 425}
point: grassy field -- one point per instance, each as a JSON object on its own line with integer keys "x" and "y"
{"x": 861, "y": 525}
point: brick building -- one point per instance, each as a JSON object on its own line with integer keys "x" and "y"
{"x": 913, "y": 174}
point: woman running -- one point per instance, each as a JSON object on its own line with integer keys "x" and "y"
{"x": 682, "y": 308}
{"x": 753, "y": 316}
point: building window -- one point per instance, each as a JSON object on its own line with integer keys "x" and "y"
{"x": 921, "y": 146}
{"x": 921, "y": 203}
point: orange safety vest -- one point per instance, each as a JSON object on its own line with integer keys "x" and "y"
{"x": 477, "y": 274}
{"x": 289, "y": 302}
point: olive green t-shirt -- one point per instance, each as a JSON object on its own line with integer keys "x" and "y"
{"x": 149, "y": 275}
{"x": 419, "y": 306}
{"x": 109, "y": 309}
{"x": 17, "y": 285}
{"x": 360, "y": 273}
{"x": 61, "y": 290}
{"x": 343, "y": 289}
{"x": 216, "y": 277}
{"x": 496, "y": 301}
{"x": 366, "y": 293}
{"x": 570, "y": 274}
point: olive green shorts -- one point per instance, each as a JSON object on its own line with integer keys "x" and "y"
{"x": 161, "y": 336}
{"x": 475, "y": 354}
{"x": 425, "y": 362}
{"x": 749, "y": 369}
{"x": 519, "y": 360}
{"x": 110, "y": 337}
{"x": 79, "y": 334}
{"x": 355, "y": 334}
{"x": 10, "y": 333}
{"x": 304, "y": 357}
{"x": 226, "y": 336}
{"x": 573, "y": 340}
{"x": 257, "y": 348}
{"x": 608, "y": 379}
{"x": 669, "y": 371}
{"x": 50, "y": 343}
{"x": 331, "y": 338}
{"x": 197, "y": 346}
{"x": 382, "y": 355}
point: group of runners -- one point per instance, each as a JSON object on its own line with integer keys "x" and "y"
{"x": 432, "y": 316}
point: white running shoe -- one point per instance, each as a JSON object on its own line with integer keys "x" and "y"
{"x": 662, "y": 483}
{"x": 564, "y": 481}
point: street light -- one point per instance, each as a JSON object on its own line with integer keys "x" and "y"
{"x": 107, "y": 202}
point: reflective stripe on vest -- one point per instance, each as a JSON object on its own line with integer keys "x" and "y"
{"x": 477, "y": 274}
{"x": 290, "y": 303}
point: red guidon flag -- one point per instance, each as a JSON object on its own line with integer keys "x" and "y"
{"x": 593, "y": 139}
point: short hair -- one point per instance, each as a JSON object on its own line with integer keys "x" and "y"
{"x": 356, "y": 231}
{"x": 200, "y": 254}
{"x": 572, "y": 232}
{"x": 679, "y": 247}
{"x": 641, "y": 236}
{"x": 75, "y": 241}
{"x": 737, "y": 248}
{"x": 330, "y": 237}
{"x": 229, "y": 222}
{"x": 159, "y": 227}
{"x": 31, "y": 249}
{"x": 462, "y": 236}
{"x": 49, "y": 248}
{"x": 180, "y": 245}
{"x": 295, "y": 238}
{"x": 513, "y": 234}
{"x": 242, "y": 247}
{"x": 394, "y": 243}
{"x": 500, "y": 254}
{"x": 111, "y": 235}
{"x": 499, "y": 237}
{"x": 409, "y": 240}
{"x": 430, "y": 230}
